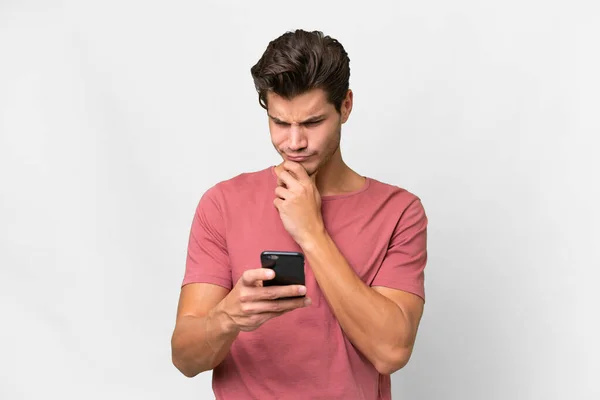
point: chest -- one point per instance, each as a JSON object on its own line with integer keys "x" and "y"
{"x": 359, "y": 235}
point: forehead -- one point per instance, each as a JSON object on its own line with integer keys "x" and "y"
{"x": 300, "y": 107}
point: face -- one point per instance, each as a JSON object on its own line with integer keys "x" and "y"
{"x": 307, "y": 128}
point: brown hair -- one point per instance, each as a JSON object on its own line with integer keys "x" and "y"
{"x": 299, "y": 61}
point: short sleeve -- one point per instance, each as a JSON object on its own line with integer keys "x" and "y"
{"x": 207, "y": 257}
{"x": 404, "y": 264}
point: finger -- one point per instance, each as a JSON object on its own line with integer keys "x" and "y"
{"x": 275, "y": 306}
{"x": 290, "y": 182}
{"x": 260, "y": 293}
{"x": 278, "y": 292}
{"x": 253, "y": 276}
{"x": 297, "y": 169}
{"x": 277, "y": 173}
{"x": 279, "y": 181}
{"x": 282, "y": 192}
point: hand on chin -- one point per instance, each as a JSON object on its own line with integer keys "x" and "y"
{"x": 297, "y": 200}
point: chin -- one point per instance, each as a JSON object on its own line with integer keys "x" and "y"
{"x": 311, "y": 166}
{"x": 311, "y": 170}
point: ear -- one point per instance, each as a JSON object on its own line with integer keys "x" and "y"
{"x": 346, "y": 108}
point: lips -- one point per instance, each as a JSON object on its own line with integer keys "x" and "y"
{"x": 297, "y": 158}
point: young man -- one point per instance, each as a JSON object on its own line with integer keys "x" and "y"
{"x": 364, "y": 244}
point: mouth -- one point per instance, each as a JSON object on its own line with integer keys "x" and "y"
{"x": 297, "y": 158}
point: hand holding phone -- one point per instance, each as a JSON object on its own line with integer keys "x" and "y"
{"x": 253, "y": 301}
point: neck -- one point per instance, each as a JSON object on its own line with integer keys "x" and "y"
{"x": 333, "y": 176}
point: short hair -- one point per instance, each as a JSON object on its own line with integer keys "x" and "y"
{"x": 299, "y": 61}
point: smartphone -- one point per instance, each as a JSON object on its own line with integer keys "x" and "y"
{"x": 288, "y": 267}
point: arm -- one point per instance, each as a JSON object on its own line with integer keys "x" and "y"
{"x": 201, "y": 339}
{"x": 210, "y": 317}
{"x": 202, "y": 336}
{"x": 381, "y": 322}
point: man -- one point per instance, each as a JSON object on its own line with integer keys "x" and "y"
{"x": 364, "y": 243}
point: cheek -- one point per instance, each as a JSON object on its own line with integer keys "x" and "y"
{"x": 279, "y": 142}
{"x": 277, "y": 137}
{"x": 324, "y": 137}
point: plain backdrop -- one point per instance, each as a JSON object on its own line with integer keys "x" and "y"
{"x": 115, "y": 117}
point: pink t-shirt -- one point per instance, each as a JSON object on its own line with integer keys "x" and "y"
{"x": 304, "y": 354}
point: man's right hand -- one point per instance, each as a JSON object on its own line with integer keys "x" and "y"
{"x": 250, "y": 304}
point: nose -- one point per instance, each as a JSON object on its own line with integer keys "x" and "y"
{"x": 297, "y": 139}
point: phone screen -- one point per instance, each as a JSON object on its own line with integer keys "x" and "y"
{"x": 288, "y": 267}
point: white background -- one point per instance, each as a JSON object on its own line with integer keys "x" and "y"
{"x": 116, "y": 116}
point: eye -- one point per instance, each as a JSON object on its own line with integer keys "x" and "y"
{"x": 313, "y": 123}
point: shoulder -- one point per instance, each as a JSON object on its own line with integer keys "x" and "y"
{"x": 241, "y": 186}
{"x": 394, "y": 198}
{"x": 246, "y": 181}
{"x": 403, "y": 208}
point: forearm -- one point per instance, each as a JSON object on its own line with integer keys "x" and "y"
{"x": 201, "y": 343}
{"x": 373, "y": 323}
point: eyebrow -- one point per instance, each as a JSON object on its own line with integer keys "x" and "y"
{"x": 306, "y": 121}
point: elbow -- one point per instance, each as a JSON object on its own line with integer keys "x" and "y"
{"x": 182, "y": 366}
{"x": 188, "y": 368}
{"x": 391, "y": 361}
{"x": 185, "y": 370}
{"x": 187, "y": 373}
{"x": 182, "y": 362}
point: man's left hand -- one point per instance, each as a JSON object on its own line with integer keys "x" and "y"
{"x": 298, "y": 202}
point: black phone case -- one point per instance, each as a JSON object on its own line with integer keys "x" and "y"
{"x": 288, "y": 267}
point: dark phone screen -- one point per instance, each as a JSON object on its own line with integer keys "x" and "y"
{"x": 288, "y": 267}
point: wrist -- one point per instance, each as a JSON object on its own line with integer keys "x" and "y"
{"x": 314, "y": 239}
{"x": 223, "y": 321}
